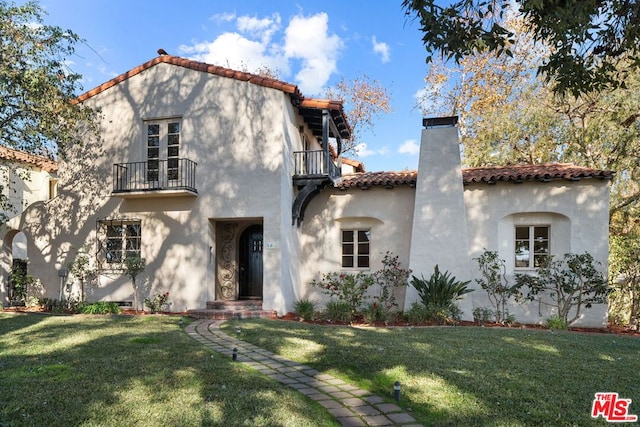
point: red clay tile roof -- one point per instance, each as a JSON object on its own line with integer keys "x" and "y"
{"x": 41, "y": 162}
{"x": 488, "y": 175}
{"x": 303, "y": 103}
{"x": 543, "y": 172}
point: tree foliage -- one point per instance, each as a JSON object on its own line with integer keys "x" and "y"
{"x": 38, "y": 114}
{"x": 364, "y": 100}
{"x": 594, "y": 45}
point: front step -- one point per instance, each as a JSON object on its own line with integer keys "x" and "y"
{"x": 241, "y": 305}
{"x": 226, "y": 310}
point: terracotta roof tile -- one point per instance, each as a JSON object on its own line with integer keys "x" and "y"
{"x": 198, "y": 66}
{"x": 367, "y": 180}
{"x": 41, "y": 162}
{"x": 541, "y": 172}
{"x": 488, "y": 175}
{"x": 305, "y": 104}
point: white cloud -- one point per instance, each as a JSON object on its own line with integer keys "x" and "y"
{"x": 307, "y": 39}
{"x": 304, "y": 44}
{"x": 410, "y": 146}
{"x": 232, "y": 50}
{"x": 362, "y": 150}
{"x": 382, "y": 49}
{"x": 263, "y": 28}
{"x": 223, "y": 17}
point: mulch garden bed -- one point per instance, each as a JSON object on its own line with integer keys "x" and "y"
{"x": 611, "y": 329}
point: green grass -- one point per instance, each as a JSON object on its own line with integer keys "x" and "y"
{"x": 467, "y": 376}
{"x": 125, "y": 370}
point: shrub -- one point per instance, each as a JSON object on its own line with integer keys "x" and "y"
{"x": 417, "y": 313}
{"x": 305, "y": 309}
{"x": 375, "y": 312}
{"x": 482, "y": 315}
{"x": 338, "y": 311}
{"x": 572, "y": 283}
{"x": 99, "y": 307}
{"x": 494, "y": 282}
{"x": 556, "y": 322}
{"x": 158, "y": 302}
{"x": 350, "y": 289}
{"x": 390, "y": 277}
{"x": 441, "y": 290}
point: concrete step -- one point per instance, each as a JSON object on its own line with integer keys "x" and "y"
{"x": 240, "y": 305}
{"x": 217, "y": 314}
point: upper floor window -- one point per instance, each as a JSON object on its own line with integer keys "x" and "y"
{"x": 163, "y": 149}
{"x": 532, "y": 245}
{"x": 356, "y": 248}
{"x": 118, "y": 240}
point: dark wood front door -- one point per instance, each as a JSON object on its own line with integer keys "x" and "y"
{"x": 251, "y": 263}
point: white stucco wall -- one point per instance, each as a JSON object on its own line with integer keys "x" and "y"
{"x": 576, "y": 211}
{"x": 388, "y": 213}
{"x": 234, "y": 130}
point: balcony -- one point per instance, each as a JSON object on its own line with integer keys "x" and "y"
{"x": 314, "y": 164}
{"x": 155, "y": 178}
{"x": 313, "y": 170}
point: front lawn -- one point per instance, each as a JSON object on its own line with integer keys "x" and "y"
{"x": 467, "y": 376}
{"x": 132, "y": 370}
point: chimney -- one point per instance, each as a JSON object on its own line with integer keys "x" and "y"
{"x": 439, "y": 232}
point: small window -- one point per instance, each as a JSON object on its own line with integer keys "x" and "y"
{"x": 118, "y": 240}
{"x": 356, "y": 248}
{"x": 532, "y": 246}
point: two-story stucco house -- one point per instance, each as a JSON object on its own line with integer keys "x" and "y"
{"x": 232, "y": 188}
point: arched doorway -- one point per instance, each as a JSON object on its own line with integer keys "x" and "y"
{"x": 251, "y": 248}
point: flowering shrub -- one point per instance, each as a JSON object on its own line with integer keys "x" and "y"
{"x": 388, "y": 278}
{"x": 157, "y": 303}
{"x": 347, "y": 288}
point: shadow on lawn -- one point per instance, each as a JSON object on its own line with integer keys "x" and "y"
{"x": 114, "y": 370}
{"x": 467, "y": 375}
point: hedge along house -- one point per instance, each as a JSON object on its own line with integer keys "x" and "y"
{"x": 233, "y": 189}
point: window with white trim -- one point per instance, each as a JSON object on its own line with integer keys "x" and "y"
{"x": 356, "y": 248}
{"x": 118, "y": 240}
{"x": 531, "y": 245}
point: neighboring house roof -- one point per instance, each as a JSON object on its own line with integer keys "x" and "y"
{"x": 357, "y": 164}
{"x": 310, "y": 108}
{"x": 41, "y": 162}
{"x": 487, "y": 175}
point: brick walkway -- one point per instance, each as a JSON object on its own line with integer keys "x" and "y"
{"x": 350, "y": 405}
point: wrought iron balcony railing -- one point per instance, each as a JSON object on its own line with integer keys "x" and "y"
{"x": 155, "y": 175}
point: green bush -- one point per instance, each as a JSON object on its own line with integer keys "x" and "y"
{"x": 556, "y": 322}
{"x": 441, "y": 290}
{"x": 417, "y": 313}
{"x": 305, "y": 309}
{"x": 375, "y": 312}
{"x": 99, "y": 307}
{"x": 483, "y": 315}
{"x": 350, "y": 289}
{"x": 338, "y": 311}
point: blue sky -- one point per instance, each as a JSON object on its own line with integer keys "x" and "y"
{"x": 310, "y": 43}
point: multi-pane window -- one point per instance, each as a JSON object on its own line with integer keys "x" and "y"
{"x": 532, "y": 246}
{"x": 356, "y": 248}
{"x": 163, "y": 147}
{"x": 121, "y": 240}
